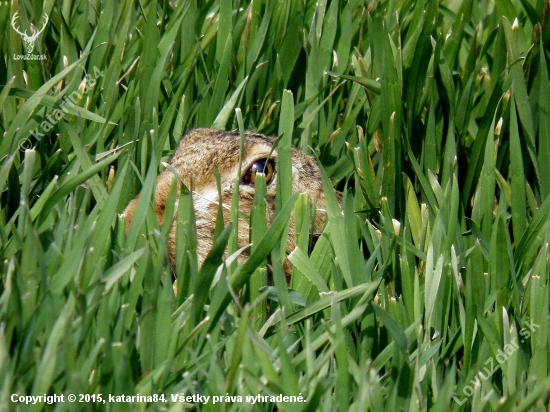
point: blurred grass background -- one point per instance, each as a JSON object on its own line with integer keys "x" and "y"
{"x": 432, "y": 113}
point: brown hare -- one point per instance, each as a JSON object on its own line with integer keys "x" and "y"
{"x": 197, "y": 153}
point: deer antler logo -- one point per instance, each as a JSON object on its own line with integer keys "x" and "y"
{"x": 28, "y": 40}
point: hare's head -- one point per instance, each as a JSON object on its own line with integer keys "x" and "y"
{"x": 194, "y": 160}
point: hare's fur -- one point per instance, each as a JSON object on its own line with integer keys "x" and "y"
{"x": 197, "y": 153}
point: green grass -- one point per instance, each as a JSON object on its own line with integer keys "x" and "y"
{"x": 435, "y": 114}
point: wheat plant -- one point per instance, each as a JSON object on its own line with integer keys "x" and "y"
{"x": 427, "y": 290}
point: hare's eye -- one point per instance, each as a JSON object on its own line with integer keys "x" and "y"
{"x": 260, "y": 166}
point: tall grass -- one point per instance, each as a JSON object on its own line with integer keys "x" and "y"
{"x": 432, "y": 114}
